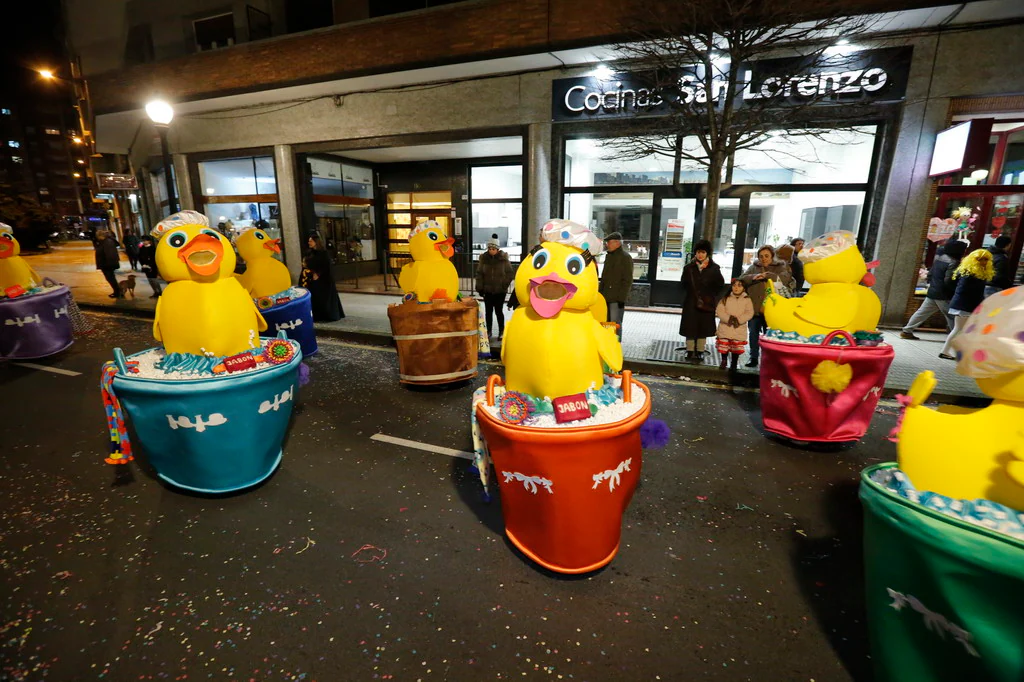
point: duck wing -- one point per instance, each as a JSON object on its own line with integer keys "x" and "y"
{"x": 608, "y": 346}
{"x": 833, "y": 311}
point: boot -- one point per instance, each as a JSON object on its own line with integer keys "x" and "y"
{"x": 725, "y": 359}
{"x": 733, "y": 359}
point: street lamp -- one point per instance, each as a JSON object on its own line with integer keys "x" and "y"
{"x": 161, "y": 113}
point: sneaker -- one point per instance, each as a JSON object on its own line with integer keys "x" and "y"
{"x": 752, "y": 362}
{"x": 113, "y": 296}
{"x": 909, "y": 336}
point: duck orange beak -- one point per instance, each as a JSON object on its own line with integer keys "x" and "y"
{"x": 6, "y": 248}
{"x": 445, "y": 247}
{"x": 274, "y": 245}
{"x": 202, "y": 255}
{"x": 549, "y": 293}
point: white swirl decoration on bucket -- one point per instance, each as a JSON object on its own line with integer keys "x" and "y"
{"x": 613, "y": 476}
{"x": 529, "y": 482}
{"x": 278, "y": 401}
{"x": 200, "y": 424}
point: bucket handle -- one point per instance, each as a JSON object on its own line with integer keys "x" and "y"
{"x": 627, "y": 386}
{"x": 51, "y": 280}
{"x": 492, "y": 381}
{"x": 120, "y": 361}
{"x": 839, "y": 332}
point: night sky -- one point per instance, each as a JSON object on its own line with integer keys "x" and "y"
{"x": 32, "y": 41}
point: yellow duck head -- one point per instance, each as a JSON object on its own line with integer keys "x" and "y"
{"x": 429, "y": 241}
{"x": 560, "y": 272}
{"x": 991, "y": 347}
{"x": 833, "y": 257}
{"x": 255, "y": 243}
{"x": 190, "y": 249}
{"x": 9, "y": 247}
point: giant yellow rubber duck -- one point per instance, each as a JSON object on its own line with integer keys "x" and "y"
{"x": 969, "y": 454}
{"x": 14, "y": 270}
{"x": 430, "y": 275}
{"x": 264, "y": 275}
{"x": 204, "y": 310}
{"x": 834, "y": 267}
{"x": 553, "y": 345}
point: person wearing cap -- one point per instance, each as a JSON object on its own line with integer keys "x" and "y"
{"x": 702, "y": 284}
{"x": 494, "y": 274}
{"x": 616, "y": 279}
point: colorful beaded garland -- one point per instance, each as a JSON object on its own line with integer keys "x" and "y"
{"x": 514, "y": 407}
{"x": 264, "y": 302}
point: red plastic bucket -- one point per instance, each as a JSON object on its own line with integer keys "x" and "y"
{"x": 791, "y": 406}
{"x": 563, "y": 490}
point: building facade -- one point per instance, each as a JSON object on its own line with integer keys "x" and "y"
{"x": 348, "y": 133}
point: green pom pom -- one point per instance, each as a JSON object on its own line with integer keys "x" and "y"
{"x": 593, "y": 409}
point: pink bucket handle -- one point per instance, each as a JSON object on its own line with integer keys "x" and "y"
{"x": 839, "y": 332}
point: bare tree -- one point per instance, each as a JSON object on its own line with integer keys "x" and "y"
{"x": 733, "y": 74}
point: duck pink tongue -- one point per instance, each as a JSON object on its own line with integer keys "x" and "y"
{"x": 548, "y": 307}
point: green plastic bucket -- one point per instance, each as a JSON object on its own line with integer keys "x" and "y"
{"x": 945, "y": 598}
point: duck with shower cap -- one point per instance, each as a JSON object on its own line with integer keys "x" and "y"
{"x": 553, "y": 344}
{"x": 968, "y": 454}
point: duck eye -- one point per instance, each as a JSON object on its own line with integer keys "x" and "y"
{"x": 433, "y": 236}
{"x": 540, "y": 259}
{"x": 574, "y": 264}
{"x": 211, "y": 233}
{"x": 259, "y": 235}
{"x": 7, "y": 237}
{"x": 177, "y": 240}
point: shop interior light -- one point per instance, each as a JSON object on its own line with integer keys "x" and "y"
{"x": 76, "y": 140}
{"x": 603, "y": 73}
{"x": 979, "y": 174}
{"x": 211, "y": 190}
{"x": 843, "y": 41}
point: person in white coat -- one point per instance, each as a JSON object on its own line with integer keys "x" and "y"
{"x": 733, "y": 312}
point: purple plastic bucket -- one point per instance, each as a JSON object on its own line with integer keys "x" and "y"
{"x": 35, "y": 326}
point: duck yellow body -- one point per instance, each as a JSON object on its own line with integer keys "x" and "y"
{"x": 834, "y": 267}
{"x": 553, "y": 345}
{"x": 969, "y": 454}
{"x": 264, "y": 275}
{"x": 204, "y": 310}
{"x": 14, "y": 270}
{"x": 430, "y": 275}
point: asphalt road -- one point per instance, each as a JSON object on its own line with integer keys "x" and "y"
{"x": 362, "y": 560}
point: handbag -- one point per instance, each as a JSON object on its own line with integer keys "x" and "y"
{"x": 706, "y": 303}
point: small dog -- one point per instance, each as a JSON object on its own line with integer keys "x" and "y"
{"x": 128, "y": 286}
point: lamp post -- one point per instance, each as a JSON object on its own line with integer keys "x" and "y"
{"x": 79, "y": 85}
{"x": 161, "y": 113}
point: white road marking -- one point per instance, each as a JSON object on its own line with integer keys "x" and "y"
{"x": 416, "y": 445}
{"x": 55, "y": 370}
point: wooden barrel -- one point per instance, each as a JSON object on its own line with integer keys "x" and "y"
{"x": 437, "y": 342}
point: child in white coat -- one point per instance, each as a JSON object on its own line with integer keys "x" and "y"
{"x": 733, "y": 312}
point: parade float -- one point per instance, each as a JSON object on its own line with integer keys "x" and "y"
{"x": 823, "y": 362}
{"x": 35, "y": 313}
{"x": 944, "y": 526}
{"x": 284, "y": 307}
{"x": 436, "y": 331}
{"x": 564, "y": 436}
{"x": 211, "y": 405}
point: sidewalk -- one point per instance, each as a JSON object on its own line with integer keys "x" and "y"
{"x": 648, "y": 344}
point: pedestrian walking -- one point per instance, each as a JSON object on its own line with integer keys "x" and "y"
{"x": 797, "y": 266}
{"x": 1002, "y": 277}
{"x": 108, "y": 260}
{"x": 973, "y": 273}
{"x": 941, "y": 288}
{"x": 131, "y": 247}
{"x": 319, "y": 280}
{"x": 616, "y": 279}
{"x": 766, "y": 268}
{"x": 733, "y": 312}
{"x": 493, "y": 276}
{"x": 147, "y": 262}
{"x": 702, "y": 284}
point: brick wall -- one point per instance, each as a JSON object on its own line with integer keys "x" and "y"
{"x": 444, "y": 35}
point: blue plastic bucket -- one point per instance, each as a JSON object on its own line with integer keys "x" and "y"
{"x": 212, "y": 435}
{"x": 35, "y": 326}
{"x": 294, "y": 318}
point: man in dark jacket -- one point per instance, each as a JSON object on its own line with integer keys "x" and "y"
{"x": 493, "y": 276}
{"x": 940, "y": 288}
{"x": 617, "y": 278}
{"x": 797, "y": 266}
{"x": 1003, "y": 278}
{"x": 147, "y": 261}
{"x": 108, "y": 260}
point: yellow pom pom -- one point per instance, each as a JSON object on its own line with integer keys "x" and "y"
{"x": 831, "y": 377}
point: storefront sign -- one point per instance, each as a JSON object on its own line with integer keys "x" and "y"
{"x": 110, "y": 181}
{"x": 864, "y": 77}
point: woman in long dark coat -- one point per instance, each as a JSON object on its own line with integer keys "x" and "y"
{"x": 318, "y": 278}
{"x": 702, "y": 284}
